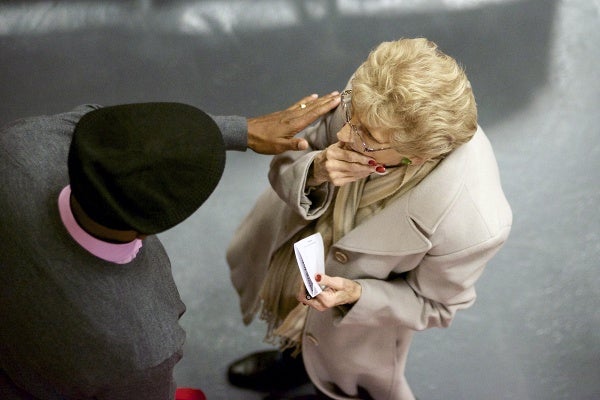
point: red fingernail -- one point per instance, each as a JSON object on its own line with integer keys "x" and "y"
{"x": 372, "y": 163}
{"x": 318, "y": 278}
{"x": 380, "y": 169}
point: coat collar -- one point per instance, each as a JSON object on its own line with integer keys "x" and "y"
{"x": 403, "y": 226}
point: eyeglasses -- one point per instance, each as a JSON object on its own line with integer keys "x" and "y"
{"x": 356, "y": 129}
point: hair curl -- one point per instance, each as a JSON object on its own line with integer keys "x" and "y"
{"x": 417, "y": 94}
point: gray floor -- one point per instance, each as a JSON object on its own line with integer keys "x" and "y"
{"x": 534, "y": 332}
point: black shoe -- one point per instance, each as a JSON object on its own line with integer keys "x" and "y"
{"x": 267, "y": 371}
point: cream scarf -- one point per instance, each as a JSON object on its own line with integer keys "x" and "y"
{"x": 354, "y": 204}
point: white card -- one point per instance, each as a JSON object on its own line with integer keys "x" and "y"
{"x": 310, "y": 255}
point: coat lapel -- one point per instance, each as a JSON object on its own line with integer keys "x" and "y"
{"x": 403, "y": 227}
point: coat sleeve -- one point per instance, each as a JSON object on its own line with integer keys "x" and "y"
{"x": 289, "y": 171}
{"x": 234, "y": 130}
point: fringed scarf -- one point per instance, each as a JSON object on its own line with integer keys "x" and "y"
{"x": 354, "y": 203}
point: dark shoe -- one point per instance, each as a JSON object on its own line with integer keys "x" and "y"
{"x": 267, "y": 371}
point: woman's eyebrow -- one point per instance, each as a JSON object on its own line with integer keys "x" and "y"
{"x": 368, "y": 132}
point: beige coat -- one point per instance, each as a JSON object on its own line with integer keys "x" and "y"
{"x": 417, "y": 261}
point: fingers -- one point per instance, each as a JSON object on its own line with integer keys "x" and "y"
{"x": 324, "y": 104}
{"x": 340, "y": 166}
{"x": 339, "y": 175}
{"x": 325, "y": 280}
{"x": 337, "y": 291}
{"x": 308, "y": 109}
{"x": 315, "y": 103}
{"x": 302, "y": 294}
{"x": 305, "y": 100}
{"x": 301, "y": 143}
{"x": 331, "y": 282}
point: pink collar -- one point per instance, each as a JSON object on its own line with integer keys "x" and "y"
{"x": 121, "y": 253}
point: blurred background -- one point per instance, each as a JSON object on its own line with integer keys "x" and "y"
{"x": 534, "y": 332}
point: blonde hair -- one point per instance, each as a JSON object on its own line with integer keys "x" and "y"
{"x": 418, "y": 94}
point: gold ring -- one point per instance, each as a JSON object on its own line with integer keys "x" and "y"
{"x": 302, "y": 106}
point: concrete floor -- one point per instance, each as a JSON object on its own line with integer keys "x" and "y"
{"x": 534, "y": 332}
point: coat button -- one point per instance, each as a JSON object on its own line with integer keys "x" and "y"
{"x": 341, "y": 257}
{"x": 311, "y": 338}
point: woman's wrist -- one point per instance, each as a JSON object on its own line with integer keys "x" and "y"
{"x": 314, "y": 177}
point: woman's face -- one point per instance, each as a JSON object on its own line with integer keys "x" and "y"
{"x": 373, "y": 143}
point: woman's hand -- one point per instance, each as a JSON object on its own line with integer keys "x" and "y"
{"x": 337, "y": 291}
{"x": 339, "y": 165}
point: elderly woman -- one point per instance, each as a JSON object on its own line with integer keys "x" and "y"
{"x": 404, "y": 188}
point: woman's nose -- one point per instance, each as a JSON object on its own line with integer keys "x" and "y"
{"x": 345, "y": 134}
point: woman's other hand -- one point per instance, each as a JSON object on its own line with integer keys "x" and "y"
{"x": 337, "y": 291}
{"x": 339, "y": 165}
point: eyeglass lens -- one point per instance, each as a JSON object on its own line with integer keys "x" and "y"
{"x": 347, "y": 105}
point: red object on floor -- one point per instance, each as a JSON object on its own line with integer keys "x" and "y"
{"x": 189, "y": 394}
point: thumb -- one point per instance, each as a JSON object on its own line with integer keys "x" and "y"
{"x": 297, "y": 144}
{"x": 325, "y": 280}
